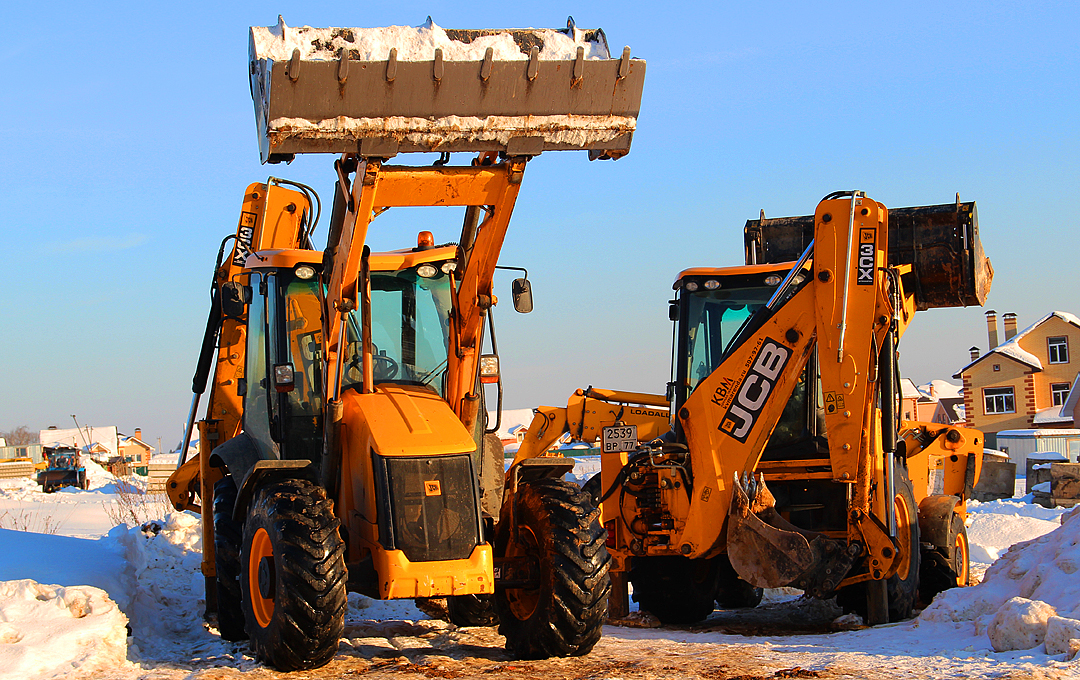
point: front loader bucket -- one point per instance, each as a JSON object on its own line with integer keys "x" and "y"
{"x": 769, "y": 552}
{"x": 941, "y": 242}
{"x": 382, "y": 91}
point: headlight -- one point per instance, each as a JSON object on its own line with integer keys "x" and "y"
{"x": 427, "y": 270}
{"x": 305, "y": 272}
{"x": 448, "y": 266}
{"x": 712, "y": 284}
{"x": 691, "y": 286}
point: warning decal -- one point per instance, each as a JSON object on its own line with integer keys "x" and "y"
{"x": 833, "y": 402}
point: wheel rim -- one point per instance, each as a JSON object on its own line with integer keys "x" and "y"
{"x": 961, "y": 564}
{"x": 523, "y": 601}
{"x": 262, "y": 553}
{"x": 903, "y": 535}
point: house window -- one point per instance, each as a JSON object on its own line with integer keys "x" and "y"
{"x": 999, "y": 400}
{"x": 997, "y": 367}
{"x": 1058, "y": 349}
{"x": 1059, "y": 392}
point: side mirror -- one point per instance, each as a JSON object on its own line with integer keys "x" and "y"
{"x": 673, "y": 310}
{"x": 234, "y": 299}
{"x": 522, "y": 291}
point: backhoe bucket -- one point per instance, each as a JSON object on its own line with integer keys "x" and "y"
{"x": 941, "y": 242}
{"x": 382, "y": 91}
{"x": 769, "y": 552}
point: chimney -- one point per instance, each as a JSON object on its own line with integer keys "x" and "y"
{"x": 974, "y": 353}
{"x": 138, "y": 433}
{"x": 1010, "y": 326}
{"x": 933, "y": 390}
{"x": 992, "y": 328}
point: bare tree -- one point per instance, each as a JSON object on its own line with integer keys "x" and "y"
{"x": 20, "y": 436}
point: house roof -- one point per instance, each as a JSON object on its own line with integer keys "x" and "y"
{"x": 1041, "y": 432}
{"x": 125, "y": 439}
{"x": 953, "y": 407}
{"x": 1051, "y": 416}
{"x": 1012, "y": 349}
{"x": 908, "y": 389}
{"x": 1074, "y": 396}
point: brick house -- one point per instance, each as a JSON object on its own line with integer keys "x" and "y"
{"x": 1025, "y": 381}
{"x": 134, "y": 450}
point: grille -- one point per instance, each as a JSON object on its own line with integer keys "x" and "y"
{"x": 432, "y": 506}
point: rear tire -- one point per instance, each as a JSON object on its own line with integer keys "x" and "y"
{"x": 902, "y": 587}
{"x": 293, "y": 576}
{"x": 943, "y": 568}
{"x": 228, "y": 537}
{"x": 675, "y": 589}
{"x": 472, "y": 610}
{"x": 559, "y": 531}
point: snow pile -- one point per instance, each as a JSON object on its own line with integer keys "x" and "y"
{"x": 996, "y": 525}
{"x": 1033, "y": 584}
{"x": 50, "y": 630}
{"x": 412, "y": 43}
{"x": 166, "y": 606}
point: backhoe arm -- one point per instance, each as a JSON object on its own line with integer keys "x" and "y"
{"x": 271, "y": 216}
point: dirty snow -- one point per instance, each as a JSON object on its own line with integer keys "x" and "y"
{"x": 148, "y": 574}
{"x": 412, "y": 43}
{"x": 574, "y": 130}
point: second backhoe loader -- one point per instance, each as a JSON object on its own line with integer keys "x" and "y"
{"x": 343, "y": 446}
{"x": 786, "y": 463}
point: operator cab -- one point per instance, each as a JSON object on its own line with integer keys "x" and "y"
{"x": 714, "y": 309}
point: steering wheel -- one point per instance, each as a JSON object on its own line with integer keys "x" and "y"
{"x": 383, "y": 367}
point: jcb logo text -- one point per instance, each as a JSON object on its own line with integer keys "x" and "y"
{"x": 756, "y": 387}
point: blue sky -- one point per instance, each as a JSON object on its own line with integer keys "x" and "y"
{"x": 129, "y": 138}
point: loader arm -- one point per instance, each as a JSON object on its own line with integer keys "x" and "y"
{"x": 492, "y": 188}
{"x": 587, "y": 412}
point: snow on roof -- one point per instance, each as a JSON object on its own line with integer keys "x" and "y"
{"x": 908, "y": 389}
{"x": 1051, "y": 415}
{"x": 413, "y": 43}
{"x": 1012, "y": 348}
{"x": 943, "y": 389}
{"x": 1041, "y": 432}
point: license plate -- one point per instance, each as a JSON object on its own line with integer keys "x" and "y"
{"x": 619, "y": 438}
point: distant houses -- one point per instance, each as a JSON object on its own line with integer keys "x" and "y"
{"x": 1028, "y": 381}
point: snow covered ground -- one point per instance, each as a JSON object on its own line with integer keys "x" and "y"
{"x": 80, "y": 597}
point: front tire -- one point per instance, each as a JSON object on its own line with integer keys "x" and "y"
{"x": 675, "y": 589}
{"x": 733, "y": 592}
{"x": 559, "y": 532}
{"x": 472, "y": 610}
{"x": 902, "y": 588}
{"x": 228, "y": 537}
{"x": 293, "y": 576}
{"x": 944, "y": 568}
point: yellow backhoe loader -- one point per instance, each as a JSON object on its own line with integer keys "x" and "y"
{"x": 345, "y": 443}
{"x": 786, "y": 463}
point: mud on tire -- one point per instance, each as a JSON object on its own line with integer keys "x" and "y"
{"x": 228, "y": 536}
{"x": 559, "y": 531}
{"x": 675, "y": 589}
{"x": 293, "y": 576}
